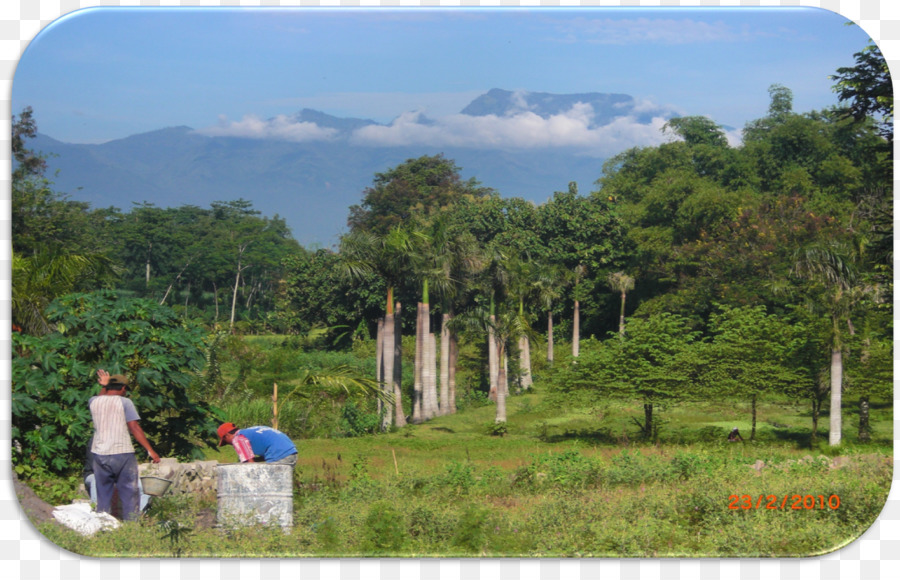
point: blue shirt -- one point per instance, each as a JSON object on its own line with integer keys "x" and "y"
{"x": 269, "y": 443}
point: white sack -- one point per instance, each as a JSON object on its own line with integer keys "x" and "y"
{"x": 81, "y": 518}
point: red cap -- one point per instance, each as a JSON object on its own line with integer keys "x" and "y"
{"x": 225, "y": 429}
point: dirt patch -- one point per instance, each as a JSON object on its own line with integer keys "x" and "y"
{"x": 36, "y": 509}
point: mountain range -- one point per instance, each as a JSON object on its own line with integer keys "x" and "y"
{"x": 311, "y": 181}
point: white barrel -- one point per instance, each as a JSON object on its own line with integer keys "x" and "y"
{"x": 254, "y": 493}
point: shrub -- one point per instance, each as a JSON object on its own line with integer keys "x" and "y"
{"x": 50, "y": 488}
{"x": 385, "y": 531}
{"x": 327, "y": 535}
{"x": 471, "y": 531}
{"x": 460, "y": 477}
{"x": 631, "y": 468}
{"x": 54, "y": 376}
{"x": 356, "y": 422}
{"x": 495, "y": 429}
{"x": 568, "y": 469}
{"x": 429, "y": 525}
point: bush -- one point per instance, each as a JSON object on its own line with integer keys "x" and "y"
{"x": 384, "y": 529}
{"x": 54, "y": 376}
{"x": 355, "y": 422}
{"x": 630, "y": 468}
{"x": 471, "y": 530}
{"x": 459, "y": 476}
{"x": 568, "y": 469}
{"x": 47, "y": 486}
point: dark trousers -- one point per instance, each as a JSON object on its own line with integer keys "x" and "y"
{"x": 117, "y": 472}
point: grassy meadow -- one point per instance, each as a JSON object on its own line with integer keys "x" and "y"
{"x": 573, "y": 483}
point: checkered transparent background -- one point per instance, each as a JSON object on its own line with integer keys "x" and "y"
{"x": 25, "y": 554}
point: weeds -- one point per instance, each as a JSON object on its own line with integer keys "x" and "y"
{"x": 176, "y": 535}
{"x": 385, "y": 530}
{"x": 460, "y": 492}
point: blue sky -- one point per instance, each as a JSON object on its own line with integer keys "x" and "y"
{"x": 106, "y": 73}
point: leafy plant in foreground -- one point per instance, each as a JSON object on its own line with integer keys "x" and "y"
{"x": 53, "y": 376}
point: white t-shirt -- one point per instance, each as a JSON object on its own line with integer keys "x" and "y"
{"x": 111, "y": 414}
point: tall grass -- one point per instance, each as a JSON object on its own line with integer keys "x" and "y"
{"x": 639, "y": 502}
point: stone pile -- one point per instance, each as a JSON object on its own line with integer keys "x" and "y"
{"x": 196, "y": 477}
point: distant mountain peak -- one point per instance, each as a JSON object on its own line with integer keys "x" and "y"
{"x": 501, "y": 102}
{"x": 325, "y": 120}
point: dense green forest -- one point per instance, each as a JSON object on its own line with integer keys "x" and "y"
{"x": 693, "y": 270}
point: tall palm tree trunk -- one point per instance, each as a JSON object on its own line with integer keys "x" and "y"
{"x": 501, "y": 395}
{"x": 418, "y": 365}
{"x": 503, "y": 380}
{"x": 387, "y": 373}
{"x": 493, "y": 362}
{"x": 576, "y": 329}
{"x": 837, "y": 371}
{"x": 399, "y": 417}
{"x": 429, "y": 378}
{"x": 525, "y": 362}
{"x": 444, "y": 401}
{"x": 379, "y": 360}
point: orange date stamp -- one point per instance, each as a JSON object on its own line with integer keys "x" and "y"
{"x": 784, "y": 502}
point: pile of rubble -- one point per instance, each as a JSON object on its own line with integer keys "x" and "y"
{"x": 196, "y": 477}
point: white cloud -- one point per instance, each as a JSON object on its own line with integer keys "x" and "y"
{"x": 522, "y": 130}
{"x": 735, "y": 137}
{"x": 282, "y": 127}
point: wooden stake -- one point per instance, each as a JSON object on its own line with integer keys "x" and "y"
{"x": 275, "y": 406}
{"x": 396, "y": 469}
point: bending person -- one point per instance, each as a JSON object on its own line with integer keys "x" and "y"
{"x": 270, "y": 444}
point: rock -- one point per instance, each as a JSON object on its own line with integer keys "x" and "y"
{"x": 196, "y": 477}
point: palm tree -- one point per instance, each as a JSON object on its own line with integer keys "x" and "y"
{"x": 547, "y": 283}
{"x": 444, "y": 256}
{"x": 621, "y": 282}
{"x": 503, "y": 323}
{"x": 576, "y": 316}
{"x": 830, "y": 268}
{"x": 523, "y": 285}
{"x": 461, "y": 259}
{"x": 388, "y": 256}
{"x": 337, "y": 378}
{"x": 495, "y": 283}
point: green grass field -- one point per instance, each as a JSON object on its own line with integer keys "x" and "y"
{"x": 576, "y": 483}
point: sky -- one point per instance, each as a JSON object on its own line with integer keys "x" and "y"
{"x": 101, "y": 74}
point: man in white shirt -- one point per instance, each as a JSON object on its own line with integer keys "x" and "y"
{"x": 115, "y": 465}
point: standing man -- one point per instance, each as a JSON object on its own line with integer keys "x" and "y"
{"x": 272, "y": 445}
{"x": 114, "y": 463}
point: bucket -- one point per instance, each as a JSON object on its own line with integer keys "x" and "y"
{"x": 155, "y": 486}
{"x": 255, "y": 494}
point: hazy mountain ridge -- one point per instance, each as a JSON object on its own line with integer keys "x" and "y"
{"x": 311, "y": 184}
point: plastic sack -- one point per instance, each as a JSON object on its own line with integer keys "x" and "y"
{"x": 81, "y": 518}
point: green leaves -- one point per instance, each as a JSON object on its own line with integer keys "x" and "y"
{"x": 54, "y": 376}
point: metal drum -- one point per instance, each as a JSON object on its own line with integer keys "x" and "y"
{"x": 255, "y": 493}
